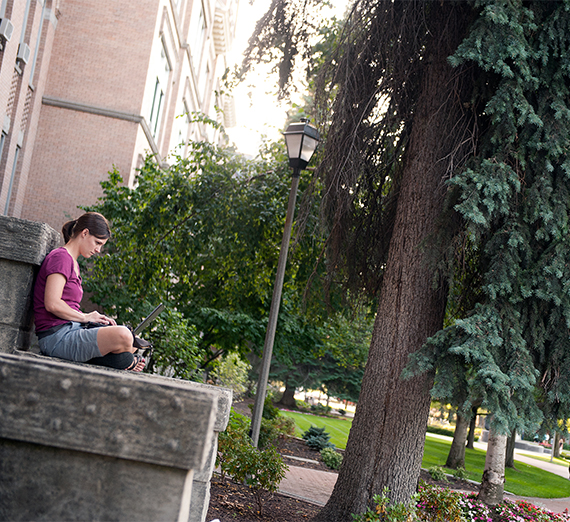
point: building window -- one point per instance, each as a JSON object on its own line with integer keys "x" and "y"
{"x": 163, "y": 69}
{"x": 198, "y": 31}
{"x": 12, "y": 176}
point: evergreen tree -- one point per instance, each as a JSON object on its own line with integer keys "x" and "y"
{"x": 465, "y": 102}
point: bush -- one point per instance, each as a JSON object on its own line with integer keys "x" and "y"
{"x": 439, "y": 504}
{"x": 319, "y": 409}
{"x": 388, "y": 512}
{"x": 269, "y": 411}
{"x": 342, "y": 412}
{"x": 332, "y": 458}
{"x": 268, "y": 433}
{"x": 460, "y": 473}
{"x": 261, "y": 470}
{"x": 435, "y": 504}
{"x": 446, "y": 431}
{"x": 317, "y": 438}
{"x": 437, "y": 473}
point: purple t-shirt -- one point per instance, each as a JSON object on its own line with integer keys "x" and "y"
{"x": 58, "y": 261}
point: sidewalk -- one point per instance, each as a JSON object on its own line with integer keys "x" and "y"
{"x": 316, "y": 486}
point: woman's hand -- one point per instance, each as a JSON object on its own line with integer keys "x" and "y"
{"x": 96, "y": 317}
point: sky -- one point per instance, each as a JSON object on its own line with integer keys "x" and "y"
{"x": 258, "y": 111}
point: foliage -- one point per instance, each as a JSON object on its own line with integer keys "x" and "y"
{"x": 232, "y": 372}
{"x": 526, "y": 480}
{"x": 331, "y": 457}
{"x": 440, "y": 431}
{"x": 437, "y": 473}
{"x": 460, "y": 473}
{"x": 269, "y": 410}
{"x": 203, "y": 236}
{"x": 435, "y": 504}
{"x": 261, "y": 470}
{"x": 320, "y": 409}
{"x": 444, "y": 431}
{"x": 317, "y": 438}
{"x": 387, "y": 511}
{"x": 514, "y": 201}
{"x": 273, "y": 424}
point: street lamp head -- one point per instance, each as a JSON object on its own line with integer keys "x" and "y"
{"x": 301, "y": 139}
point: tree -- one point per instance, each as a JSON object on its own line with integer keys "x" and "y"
{"x": 493, "y": 483}
{"x": 493, "y": 122}
{"x": 203, "y": 237}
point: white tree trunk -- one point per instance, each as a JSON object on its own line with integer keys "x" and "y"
{"x": 493, "y": 483}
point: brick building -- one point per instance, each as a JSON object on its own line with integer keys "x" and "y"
{"x": 86, "y": 85}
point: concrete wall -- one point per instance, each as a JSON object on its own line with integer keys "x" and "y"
{"x": 23, "y": 246}
{"x": 79, "y": 442}
{"x": 82, "y": 443}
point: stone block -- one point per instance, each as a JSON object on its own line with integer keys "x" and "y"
{"x": 23, "y": 246}
{"x": 82, "y": 443}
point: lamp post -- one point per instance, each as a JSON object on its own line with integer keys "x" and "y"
{"x": 301, "y": 139}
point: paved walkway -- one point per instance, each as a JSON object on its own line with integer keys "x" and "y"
{"x": 316, "y": 486}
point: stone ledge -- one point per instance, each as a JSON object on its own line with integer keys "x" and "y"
{"x": 224, "y": 395}
{"x": 26, "y": 241}
{"x": 115, "y": 414}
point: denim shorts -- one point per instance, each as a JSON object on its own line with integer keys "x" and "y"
{"x": 71, "y": 342}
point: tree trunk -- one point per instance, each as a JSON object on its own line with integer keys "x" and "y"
{"x": 493, "y": 483}
{"x": 456, "y": 457}
{"x": 556, "y": 445}
{"x": 510, "y": 453}
{"x": 386, "y": 442}
{"x": 472, "y": 426}
{"x": 288, "y": 397}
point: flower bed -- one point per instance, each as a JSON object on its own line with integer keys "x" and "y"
{"x": 437, "y": 504}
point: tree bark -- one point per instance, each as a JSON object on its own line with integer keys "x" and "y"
{"x": 556, "y": 444}
{"x": 493, "y": 483}
{"x": 472, "y": 426}
{"x": 386, "y": 442}
{"x": 288, "y": 397}
{"x": 510, "y": 453}
{"x": 456, "y": 456}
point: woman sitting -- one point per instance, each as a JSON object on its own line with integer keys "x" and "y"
{"x": 60, "y": 323}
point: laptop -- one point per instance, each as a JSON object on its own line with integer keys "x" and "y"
{"x": 148, "y": 319}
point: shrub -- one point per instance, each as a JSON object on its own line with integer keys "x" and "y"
{"x": 317, "y": 438}
{"x": 388, "y": 512}
{"x": 342, "y": 412}
{"x": 437, "y": 473}
{"x": 285, "y": 425}
{"x": 460, "y": 473}
{"x": 332, "y": 458}
{"x": 439, "y": 504}
{"x": 269, "y": 411}
{"x": 436, "y": 504}
{"x": 319, "y": 409}
{"x": 447, "y": 431}
{"x": 261, "y": 470}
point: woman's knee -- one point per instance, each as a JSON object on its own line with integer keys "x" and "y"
{"x": 115, "y": 339}
{"x": 124, "y": 336}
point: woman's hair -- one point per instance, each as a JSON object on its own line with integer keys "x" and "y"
{"x": 96, "y": 223}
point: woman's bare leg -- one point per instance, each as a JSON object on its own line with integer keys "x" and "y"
{"x": 115, "y": 339}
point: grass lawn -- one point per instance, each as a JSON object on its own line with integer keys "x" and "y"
{"x": 526, "y": 480}
{"x": 337, "y": 427}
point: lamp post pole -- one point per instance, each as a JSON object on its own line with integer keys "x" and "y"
{"x": 301, "y": 139}
{"x": 274, "y": 312}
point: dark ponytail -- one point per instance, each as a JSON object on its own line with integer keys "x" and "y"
{"x": 96, "y": 223}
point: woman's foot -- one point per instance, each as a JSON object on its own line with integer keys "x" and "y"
{"x": 138, "y": 364}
